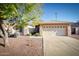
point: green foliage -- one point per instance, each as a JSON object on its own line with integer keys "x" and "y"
{"x": 30, "y": 13}
{"x": 8, "y": 11}
{"x": 37, "y": 34}
{"x": 24, "y": 12}
{"x": 36, "y": 22}
{"x": 22, "y": 23}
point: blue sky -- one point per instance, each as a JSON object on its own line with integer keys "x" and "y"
{"x": 65, "y": 12}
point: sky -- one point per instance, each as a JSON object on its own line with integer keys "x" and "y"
{"x": 60, "y": 12}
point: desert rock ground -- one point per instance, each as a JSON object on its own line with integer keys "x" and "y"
{"x": 22, "y": 46}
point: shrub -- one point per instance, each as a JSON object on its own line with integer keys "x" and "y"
{"x": 37, "y": 34}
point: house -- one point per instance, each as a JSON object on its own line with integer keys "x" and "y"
{"x": 59, "y": 28}
{"x": 75, "y": 28}
{"x": 28, "y": 29}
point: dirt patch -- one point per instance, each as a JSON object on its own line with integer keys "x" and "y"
{"x": 22, "y": 46}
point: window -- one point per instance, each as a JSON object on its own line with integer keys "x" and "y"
{"x": 57, "y": 26}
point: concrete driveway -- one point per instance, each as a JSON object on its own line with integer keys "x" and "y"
{"x": 60, "y": 45}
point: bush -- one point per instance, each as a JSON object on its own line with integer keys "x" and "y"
{"x": 37, "y": 34}
{"x": 28, "y": 34}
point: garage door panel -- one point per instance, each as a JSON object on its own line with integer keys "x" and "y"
{"x": 61, "y": 31}
{"x": 55, "y": 31}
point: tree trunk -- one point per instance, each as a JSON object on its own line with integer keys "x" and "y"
{"x": 4, "y": 34}
{"x": 5, "y": 37}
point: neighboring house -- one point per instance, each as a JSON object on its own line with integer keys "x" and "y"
{"x": 28, "y": 29}
{"x": 75, "y": 28}
{"x": 59, "y": 28}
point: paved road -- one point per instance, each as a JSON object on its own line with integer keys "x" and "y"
{"x": 60, "y": 45}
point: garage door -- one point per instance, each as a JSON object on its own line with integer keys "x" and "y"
{"x": 54, "y": 31}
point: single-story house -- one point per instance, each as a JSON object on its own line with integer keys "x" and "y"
{"x": 28, "y": 29}
{"x": 59, "y": 28}
{"x": 75, "y": 28}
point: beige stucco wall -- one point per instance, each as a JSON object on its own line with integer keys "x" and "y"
{"x": 41, "y": 30}
{"x": 69, "y": 30}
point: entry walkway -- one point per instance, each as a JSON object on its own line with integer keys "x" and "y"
{"x": 60, "y": 45}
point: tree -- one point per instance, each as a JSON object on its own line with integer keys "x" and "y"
{"x": 36, "y": 22}
{"x": 34, "y": 11}
{"x": 6, "y": 11}
{"x": 23, "y": 12}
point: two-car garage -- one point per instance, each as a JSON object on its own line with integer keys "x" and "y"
{"x": 59, "y": 29}
{"x": 55, "y": 31}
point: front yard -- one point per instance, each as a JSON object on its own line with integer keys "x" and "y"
{"x": 38, "y": 46}
{"x": 22, "y": 46}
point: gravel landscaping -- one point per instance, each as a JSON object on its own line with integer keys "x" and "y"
{"x": 22, "y": 46}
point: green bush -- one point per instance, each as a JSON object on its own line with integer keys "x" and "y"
{"x": 28, "y": 34}
{"x": 37, "y": 34}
